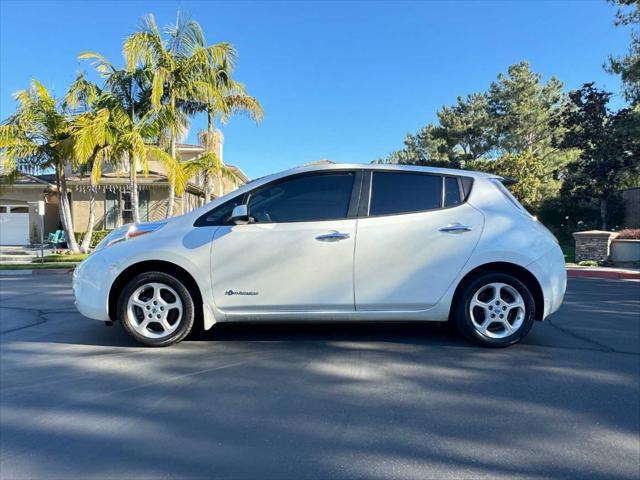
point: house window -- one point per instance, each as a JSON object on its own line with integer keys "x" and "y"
{"x": 119, "y": 211}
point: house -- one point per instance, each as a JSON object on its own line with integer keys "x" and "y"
{"x": 20, "y": 223}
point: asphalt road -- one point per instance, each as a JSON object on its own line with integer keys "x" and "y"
{"x": 80, "y": 400}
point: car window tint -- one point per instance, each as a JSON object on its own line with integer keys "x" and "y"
{"x": 303, "y": 199}
{"x": 394, "y": 193}
{"x": 221, "y": 214}
{"x": 451, "y": 192}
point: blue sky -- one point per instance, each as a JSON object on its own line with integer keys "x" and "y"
{"x": 344, "y": 81}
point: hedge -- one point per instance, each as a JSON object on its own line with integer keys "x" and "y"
{"x": 96, "y": 238}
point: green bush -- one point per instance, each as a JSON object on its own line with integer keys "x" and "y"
{"x": 96, "y": 238}
{"x": 589, "y": 263}
{"x": 63, "y": 258}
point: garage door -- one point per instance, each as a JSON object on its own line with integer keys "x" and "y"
{"x": 14, "y": 225}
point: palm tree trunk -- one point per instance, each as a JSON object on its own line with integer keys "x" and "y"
{"x": 172, "y": 185}
{"x": 220, "y": 185}
{"x": 133, "y": 185}
{"x": 86, "y": 241}
{"x": 207, "y": 188}
{"x": 65, "y": 211}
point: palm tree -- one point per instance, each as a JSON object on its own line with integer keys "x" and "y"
{"x": 207, "y": 166}
{"x": 130, "y": 126}
{"x": 38, "y": 134}
{"x": 80, "y": 98}
{"x": 179, "y": 67}
{"x": 231, "y": 99}
{"x": 107, "y": 133}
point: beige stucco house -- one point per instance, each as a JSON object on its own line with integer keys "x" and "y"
{"x": 20, "y": 223}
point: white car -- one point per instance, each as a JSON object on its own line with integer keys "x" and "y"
{"x": 338, "y": 243}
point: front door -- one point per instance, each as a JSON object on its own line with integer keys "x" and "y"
{"x": 416, "y": 238}
{"x": 296, "y": 254}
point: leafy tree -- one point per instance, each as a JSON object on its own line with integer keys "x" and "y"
{"x": 609, "y": 144}
{"x": 80, "y": 98}
{"x": 125, "y": 92}
{"x": 425, "y": 148}
{"x": 628, "y": 65}
{"x": 208, "y": 165}
{"x": 467, "y": 128}
{"x": 522, "y": 108}
{"x": 180, "y": 70}
{"x": 38, "y": 134}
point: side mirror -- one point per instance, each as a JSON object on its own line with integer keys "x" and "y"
{"x": 240, "y": 215}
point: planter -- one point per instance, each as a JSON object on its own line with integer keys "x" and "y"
{"x": 625, "y": 251}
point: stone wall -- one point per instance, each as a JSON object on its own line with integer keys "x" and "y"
{"x": 593, "y": 245}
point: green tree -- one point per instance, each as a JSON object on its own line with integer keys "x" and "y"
{"x": 180, "y": 69}
{"x": 38, "y": 134}
{"x": 125, "y": 91}
{"x": 207, "y": 166}
{"x": 467, "y": 129}
{"x": 80, "y": 98}
{"x": 628, "y": 65}
{"x": 609, "y": 144}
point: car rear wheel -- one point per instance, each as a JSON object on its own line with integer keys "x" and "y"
{"x": 156, "y": 309}
{"x": 495, "y": 310}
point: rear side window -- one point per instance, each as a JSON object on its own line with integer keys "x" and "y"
{"x": 452, "y": 195}
{"x": 306, "y": 198}
{"x": 395, "y": 193}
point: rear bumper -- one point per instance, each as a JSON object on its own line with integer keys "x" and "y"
{"x": 91, "y": 284}
{"x": 551, "y": 272}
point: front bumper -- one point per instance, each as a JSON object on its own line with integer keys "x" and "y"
{"x": 551, "y": 272}
{"x": 92, "y": 281}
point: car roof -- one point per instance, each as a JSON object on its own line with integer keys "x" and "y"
{"x": 388, "y": 167}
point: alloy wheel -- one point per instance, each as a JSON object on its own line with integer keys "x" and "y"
{"x": 497, "y": 310}
{"x": 154, "y": 310}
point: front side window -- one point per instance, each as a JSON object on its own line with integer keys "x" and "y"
{"x": 396, "y": 193}
{"x": 305, "y": 198}
{"x": 221, "y": 214}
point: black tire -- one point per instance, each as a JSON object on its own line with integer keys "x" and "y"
{"x": 186, "y": 321}
{"x": 462, "y": 311}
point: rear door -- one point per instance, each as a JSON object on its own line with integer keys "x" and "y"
{"x": 413, "y": 239}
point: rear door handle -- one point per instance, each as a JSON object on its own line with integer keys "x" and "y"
{"x": 332, "y": 236}
{"x": 455, "y": 228}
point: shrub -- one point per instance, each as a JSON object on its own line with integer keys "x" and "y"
{"x": 589, "y": 263}
{"x": 96, "y": 238}
{"x": 629, "y": 234}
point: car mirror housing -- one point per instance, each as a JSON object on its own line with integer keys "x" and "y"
{"x": 240, "y": 215}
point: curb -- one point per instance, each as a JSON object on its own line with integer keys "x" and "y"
{"x": 37, "y": 271}
{"x": 610, "y": 274}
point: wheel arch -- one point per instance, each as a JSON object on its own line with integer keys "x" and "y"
{"x": 521, "y": 273}
{"x": 155, "y": 266}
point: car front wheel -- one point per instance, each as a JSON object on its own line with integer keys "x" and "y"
{"x": 495, "y": 310}
{"x": 156, "y": 309}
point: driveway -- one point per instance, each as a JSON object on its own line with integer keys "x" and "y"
{"x": 80, "y": 400}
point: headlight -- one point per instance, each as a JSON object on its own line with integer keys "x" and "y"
{"x": 128, "y": 232}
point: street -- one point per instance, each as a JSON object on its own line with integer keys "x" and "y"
{"x": 82, "y": 400}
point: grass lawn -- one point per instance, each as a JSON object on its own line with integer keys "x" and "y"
{"x": 37, "y": 266}
{"x": 58, "y": 257}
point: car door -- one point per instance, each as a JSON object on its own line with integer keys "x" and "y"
{"x": 413, "y": 240}
{"x": 296, "y": 252}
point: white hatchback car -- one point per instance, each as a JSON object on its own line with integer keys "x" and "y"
{"x": 338, "y": 243}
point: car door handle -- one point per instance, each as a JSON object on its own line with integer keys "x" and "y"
{"x": 333, "y": 236}
{"x": 455, "y": 227}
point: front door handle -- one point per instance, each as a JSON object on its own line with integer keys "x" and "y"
{"x": 332, "y": 236}
{"x": 455, "y": 228}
